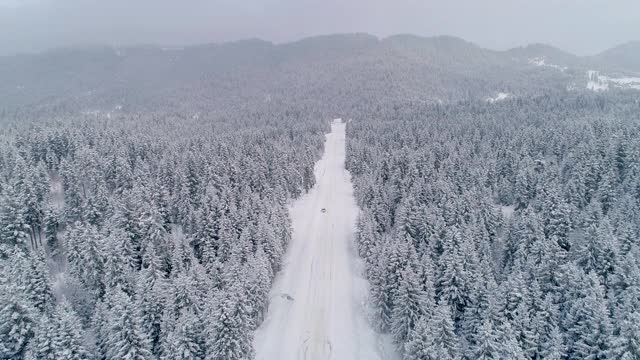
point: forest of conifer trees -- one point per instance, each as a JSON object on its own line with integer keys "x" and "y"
{"x": 503, "y": 231}
{"x": 145, "y": 237}
{"x": 145, "y": 197}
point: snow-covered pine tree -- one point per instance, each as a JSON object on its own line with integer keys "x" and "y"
{"x": 445, "y": 344}
{"x": 43, "y": 345}
{"x": 451, "y": 284}
{"x": 186, "y": 340}
{"x": 228, "y": 333}
{"x": 68, "y": 339}
{"x": 411, "y": 303}
{"x": 126, "y": 338}
{"x": 588, "y": 324}
{"x": 18, "y": 320}
{"x": 37, "y": 282}
{"x": 487, "y": 346}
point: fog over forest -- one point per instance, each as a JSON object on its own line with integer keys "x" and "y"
{"x": 582, "y": 27}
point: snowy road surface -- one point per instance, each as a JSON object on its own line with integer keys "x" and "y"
{"x": 318, "y": 302}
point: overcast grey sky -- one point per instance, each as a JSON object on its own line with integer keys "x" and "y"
{"x": 579, "y": 26}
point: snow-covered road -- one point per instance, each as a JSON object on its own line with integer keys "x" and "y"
{"x": 318, "y": 301}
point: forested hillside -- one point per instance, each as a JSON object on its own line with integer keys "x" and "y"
{"x": 336, "y": 72}
{"x": 146, "y": 236}
{"x": 503, "y": 231}
{"x": 625, "y": 56}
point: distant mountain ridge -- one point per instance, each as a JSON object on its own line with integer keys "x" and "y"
{"x": 342, "y": 69}
{"x": 625, "y": 56}
{"x": 548, "y": 52}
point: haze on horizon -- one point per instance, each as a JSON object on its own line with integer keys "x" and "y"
{"x": 583, "y": 27}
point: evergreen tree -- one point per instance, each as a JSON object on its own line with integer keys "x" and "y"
{"x": 545, "y": 326}
{"x": 17, "y": 323}
{"x": 588, "y": 324}
{"x": 44, "y": 345}
{"x": 85, "y": 256}
{"x": 100, "y": 324}
{"x": 444, "y": 340}
{"x": 68, "y": 339}
{"x": 418, "y": 343}
{"x": 452, "y": 285}
{"x": 607, "y": 190}
{"x": 626, "y": 345}
{"x": 51, "y": 225}
{"x": 150, "y": 299}
{"x": 597, "y": 251}
{"x": 126, "y": 340}
{"x": 410, "y": 304}
{"x": 116, "y": 273}
{"x": 37, "y": 282}
{"x": 367, "y": 235}
{"x": 229, "y": 330}
{"x": 394, "y": 258}
{"x": 14, "y": 228}
{"x": 557, "y": 219}
{"x": 487, "y": 346}
{"x": 481, "y": 305}
{"x": 151, "y": 272}
{"x": 185, "y": 342}
{"x": 555, "y": 349}
{"x": 258, "y": 285}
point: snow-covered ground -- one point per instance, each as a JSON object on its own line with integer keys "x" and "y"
{"x": 499, "y": 97}
{"x": 595, "y": 82}
{"x": 97, "y": 113}
{"x": 55, "y": 192}
{"x": 542, "y": 62}
{"x": 598, "y": 82}
{"x": 318, "y": 303}
{"x": 507, "y": 211}
{"x": 628, "y": 82}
